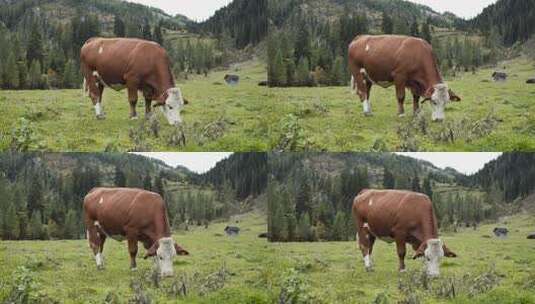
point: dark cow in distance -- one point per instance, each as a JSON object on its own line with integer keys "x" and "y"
{"x": 401, "y": 217}
{"x": 134, "y": 214}
{"x": 402, "y": 61}
{"x": 232, "y": 230}
{"x": 135, "y": 64}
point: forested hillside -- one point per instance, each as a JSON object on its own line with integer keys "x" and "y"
{"x": 41, "y": 195}
{"x": 510, "y": 21}
{"x": 309, "y": 39}
{"x": 310, "y": 195}
{"x": 40, "y": 40}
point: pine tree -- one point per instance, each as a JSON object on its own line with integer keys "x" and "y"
{"x": 11, "y": 76}
{"x": 35, "y": 46}
{"x": 426, "y": 32}
{"x": 146, "y": 31}
{"x": 147, "y": 182}
{"x": 278, "y": 71}
{"x": 70, "y": 229}
{"x": 339, "y": 227}
{"x": 302, "y": 73}
{"x": 304, "y": 229}
{"x": 389, "y": 181}
{"x": 427, "y": 188}
{"x": 158, "y": 36}
{"x": 69, "y": 75}
{"x": 120, "y": 178}
{"x": 388, "y": 24}
{"x": 415, "y": 186}
{"x": 415, "y": 31}
{"x": 35, "y": 79}
{"x": 119, "y": 27}
{"x": 36, "y": 227}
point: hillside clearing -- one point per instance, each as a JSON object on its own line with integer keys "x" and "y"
{"x": 220, "y": 269}
{"x": 491, "y": 117}
{"x": 218, "y": 118}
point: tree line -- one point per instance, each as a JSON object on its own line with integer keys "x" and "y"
{"x": 312, "y": 205}
{"x": 41, "y": 195}
{"x": 313, "y": 52}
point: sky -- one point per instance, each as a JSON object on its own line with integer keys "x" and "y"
{"x": 462, "y": 8}
{"x": 198, "y": 10}
{"x": 199, "y": 162}
{"x": 464, "y": 162}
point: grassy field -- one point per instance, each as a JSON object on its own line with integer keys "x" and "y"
{"x": 491, "y": 117}
{"x": 220, "y": 269}
{"x": 488, "y": 270}
{"x": 219, "y": 118}
{"x": 247, "y": 269}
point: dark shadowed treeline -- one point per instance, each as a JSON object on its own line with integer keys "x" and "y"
{"x": 309, "y": 48}
{"x": 310, "y": 194}
{"x": 243, "y": 21}
{"x": 41, "y": 195}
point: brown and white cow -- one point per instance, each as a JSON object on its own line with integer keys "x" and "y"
{"x": 405, "y": 62}
{"x": 401, "y": 217}
{"x": 135, "y": 64}
{"x": 134, "y": 214}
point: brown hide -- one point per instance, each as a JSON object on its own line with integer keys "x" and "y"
{"x": 404, "y": 216}
{"x": 135, "y": 63}
{"x": 135, "y": 214}
{"x": 403, "y": 61}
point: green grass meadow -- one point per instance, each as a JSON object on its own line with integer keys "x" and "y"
{"x": 220, "y": 269}
{"x": 491, "y": 117}
{"x": 247, "y": 269}
{"x": 218, "y": 118}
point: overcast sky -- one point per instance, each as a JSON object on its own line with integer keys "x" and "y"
{"x": 198, "y": 10}
{"x": 462, "y": 8}
{"x": 463, "y": 162}
{"x": 199, "y": 162}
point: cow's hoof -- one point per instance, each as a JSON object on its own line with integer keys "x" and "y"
{"x": 403, "y": 270}
{"x": 133, "y": 269}
{"x": 369, "y": 269}
{"x": 133, "y": 118}
{"x": 401, "y": 115}
{"x": 101, "y": 117}
{"x": 368, "y": 114}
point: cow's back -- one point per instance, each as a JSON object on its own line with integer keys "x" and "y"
{"x": 385, "y": 209}
{"x": 115, "y": 208}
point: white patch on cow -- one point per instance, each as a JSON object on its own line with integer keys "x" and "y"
{"x": 433, "y": 253}
{"x": 370, "y": 203}
{"x": 96, "y": 74}
{"x": 100, "y": 50}
{"x": 101, "y": 201}
{"x": 173, "y": 106}
{"x": 366, "y": 107}
{"x": 367, "y": 262}
{"x": 439, "y": 99}
{"x": 164, "y": 256}
{"x": 98, "y": 112}
{"x": 99, "y": 259}
{"x": 365, "y": 225}
{"x": 363, "y": 71}
{"x": 367, "y": 47}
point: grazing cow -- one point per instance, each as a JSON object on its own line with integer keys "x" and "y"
{"x": 405, "y": 62}
{"x": 134, "y": 214}
{"x": 500, "y": 232}
{"x": 499, "y": 76}
{"x": 232, "y": 79}
{"x": 531, "y": 236}
{"x": 136, "y": 64}
{"x": 531, "y": 81}
{"x": 401, "y": 217}
{"x": 231, "y": 230}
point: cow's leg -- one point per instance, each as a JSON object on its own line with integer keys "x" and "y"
{"x": 365, "y": 242}
{"x": 416, "y": 103}
{"x": 400, "y": 245}
{"x": 132, "y": 98}
{"x": 132, "y": 249}
{"x": 400, "y": 95}
{"x": 95, "y": 243}
{"x": 360, "y": 82}
{"x": 99, "y": 108}
{"x": 91, "y": 86}
{"x": 148, "y": 95}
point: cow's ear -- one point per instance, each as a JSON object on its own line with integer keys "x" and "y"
{"x": 418, "y": 254}
{"x": 453, "y": 96}
{"x": 180, "y": 251}
{"x": 448, "y": 253}
{"x": 151, "y": 251}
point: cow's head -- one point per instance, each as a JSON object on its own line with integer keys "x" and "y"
{"x": 439, "y": 96}
{"x": 433, "y": 250}
{"x": 172, "y": 105}
{"x": 163, "y": 251}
